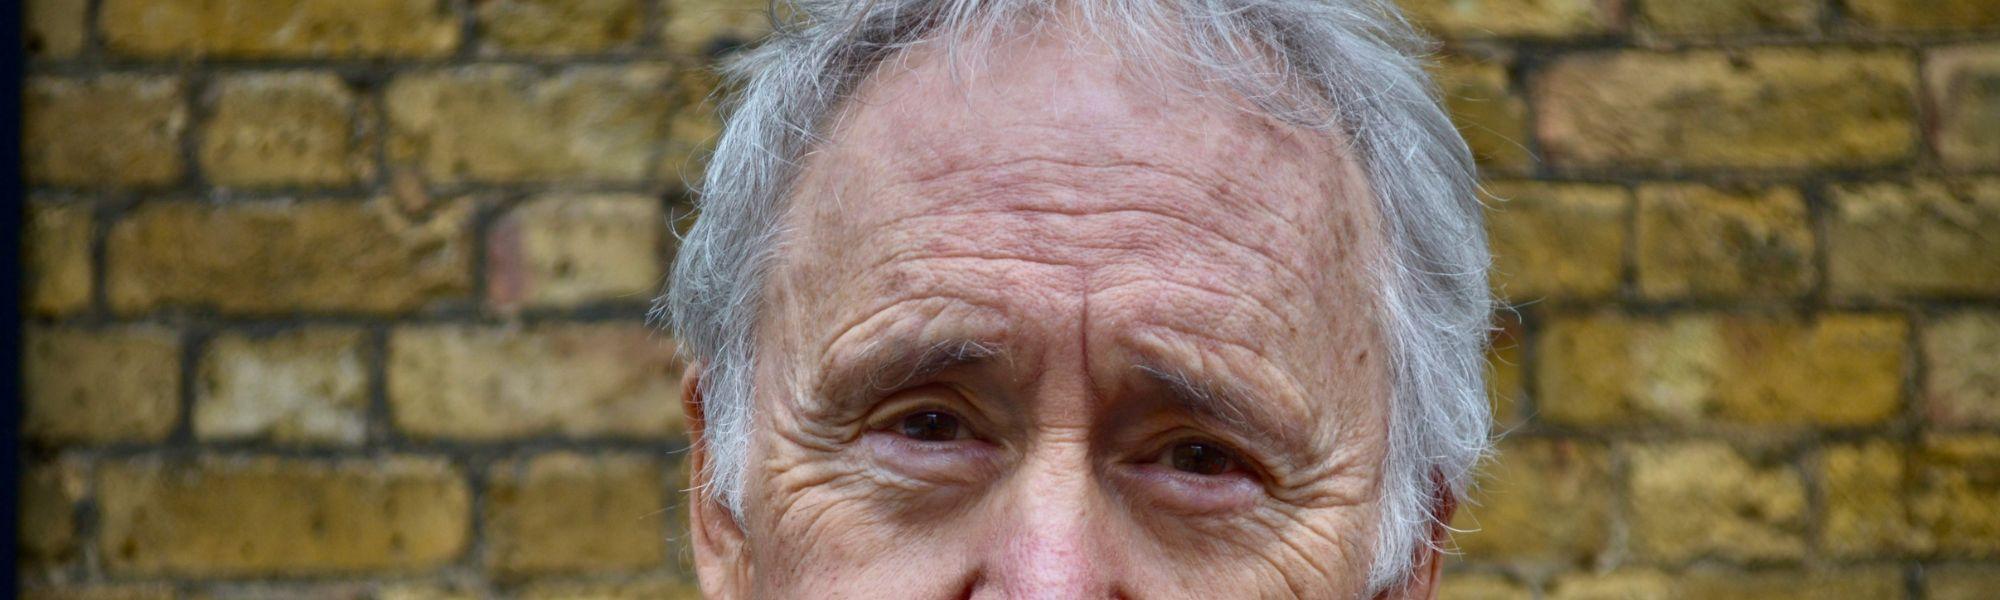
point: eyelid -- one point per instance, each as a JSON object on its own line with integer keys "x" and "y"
{"x": 1246, "y": 462}
{"x": 890, "y": 410}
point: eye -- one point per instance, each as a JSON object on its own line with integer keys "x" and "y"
{"x": 931, "y": 426}
{"x": 1200, "y": 458}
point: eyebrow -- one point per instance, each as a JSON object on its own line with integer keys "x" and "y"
{"x": 1230, "y": 406}
{"x": 905, "y": 363}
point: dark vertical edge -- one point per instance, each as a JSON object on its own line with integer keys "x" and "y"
{"x": 12, "y": 45}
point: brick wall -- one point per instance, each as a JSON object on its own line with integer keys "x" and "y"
{"x": 344, "y": 298}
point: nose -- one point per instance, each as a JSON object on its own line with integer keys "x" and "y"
{"x": 1053, "y": 537}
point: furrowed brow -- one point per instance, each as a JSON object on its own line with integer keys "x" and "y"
{"x": 895, "y": 362}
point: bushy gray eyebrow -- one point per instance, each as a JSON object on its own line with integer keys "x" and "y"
{"x": 1230, "y": 406}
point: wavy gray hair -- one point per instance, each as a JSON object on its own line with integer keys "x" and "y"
{"x": 1350, "y": 68}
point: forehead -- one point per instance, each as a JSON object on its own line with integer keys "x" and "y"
{"x": 1060, "y": 124}
{"x": 1047, "y": 161}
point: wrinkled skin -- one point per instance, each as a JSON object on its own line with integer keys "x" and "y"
{"x": 1066, "y": 277}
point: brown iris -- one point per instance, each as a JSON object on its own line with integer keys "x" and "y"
{"x": 930, "y": 426}
{"x": 1200, "y": 458}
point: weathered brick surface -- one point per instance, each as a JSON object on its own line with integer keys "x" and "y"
{"x": 269, "y": 516}
{"x": 1839, "y": 370}
{"x": 293, "y": 128}
{"x": 647, "y": 589}
{"x": 56, "y": 252}
{"x": 1704, "y": 242}
{"x": 1704, "y": 499}
{"x": 274, "y": 257}
{"x": 1516, "y": 498}
{"x": 1750, "y": 109}
{"x": 308, "y": 386}
{"x": 1855, "y": 583}
{"x": 97, "y": 592}
{"x": 1961, "y": 384}
{"x": 1959, "y": 582}
{"x": 1704, "y": 18}
{"x": 274, "y": 248}
{"x": 584, "y": 380}
{"x": 1493, "y": 119}
{"x": 559, "y": 26}
{"x": 512, "y": 124}
{"x": 695, "y": 28}
{"x": 1956, "y": 493}
{"x": 1514, "y": 18}
{"x": 48, "y": 504}
{"x": 1919, "y": 238}
{"x": 1923, "y": 15}
{"x": 103, "y": 131}
{"x": 567, "y": 513}
{"x": 100, "y": 385}
{"x": 1964, "y": 87}
{"x": 1482, "y": 586}
{"x": 1862, "y": 491}
{"x": 54, "y": 28}
{"x": 1556, "y": 241}
{"x": 566, "y": 250}
{"x": 279, "y": 28}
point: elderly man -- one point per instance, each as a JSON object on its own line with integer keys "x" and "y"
{"x": 1082, "y": 299}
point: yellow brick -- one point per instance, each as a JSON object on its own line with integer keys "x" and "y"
{"x": 279, "y": 129}
{"x": 1513, "y": 18}
{"x": 49, "y": 495}
{"x": 698, "y": 28}
{"x": 1506, "y": 357}
{"x": 1617, "y": 585}
{"x": 1530, "y": 480}
{"x": 57, "y": 257}
{"x": 1678, "y": 18}
{"x": 1863, "y": 497}
{"x": 233, "y": 517}
{"x": 1925, "y": 238}
{"x": 279, "y": 28}
{"x": 1961, "y": 383}
{"x": 103, "y": 130}
{"x": 694, "y": 128}
{"x": 1758, "y": 108}
{"x": 1857, "y": 583}
{"x": 54, "y": 28}
{"x": 281, "y": 257}
{"x": 1493, "y": 120}
{"x": 1703, "y": 242}
{"x": 559, "y": 26}
{"x": 306, "y": 386}
{"x": 1964, "y": 88}
{"x": 509, "y": 124}
{"x": 1481, "y": 586}
{"x": 1556, "y": 240}
{"x": 564, "y": 250}
{"x": 97, "y": 592}
{"x": 1958, "y": 493}
{"x": 1961, "y": 582}
{"x": 1840, "y": 370}
{"x": 644, "y": 589}
{"x": 1702, "y": 499}
{"x": 101, "y": 385}
{"x": 571, "y": 513}
{"x": 481, "y": 383}
{"x": 1924, "y": 15}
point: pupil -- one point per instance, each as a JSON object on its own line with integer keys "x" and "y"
{"x": 931, "y": 426}
{"x": 1200, "y": 459}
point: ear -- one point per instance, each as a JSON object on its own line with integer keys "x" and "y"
{"x": 719, "y": 560}
{"x": 1429, "y": 560}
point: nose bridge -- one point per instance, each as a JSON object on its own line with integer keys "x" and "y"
{"x": 1053, "y": 543}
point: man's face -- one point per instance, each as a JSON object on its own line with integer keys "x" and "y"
{"x": 1040, "y": 330}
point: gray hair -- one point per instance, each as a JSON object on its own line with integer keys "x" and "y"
{"x": 1346, "y": 67}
